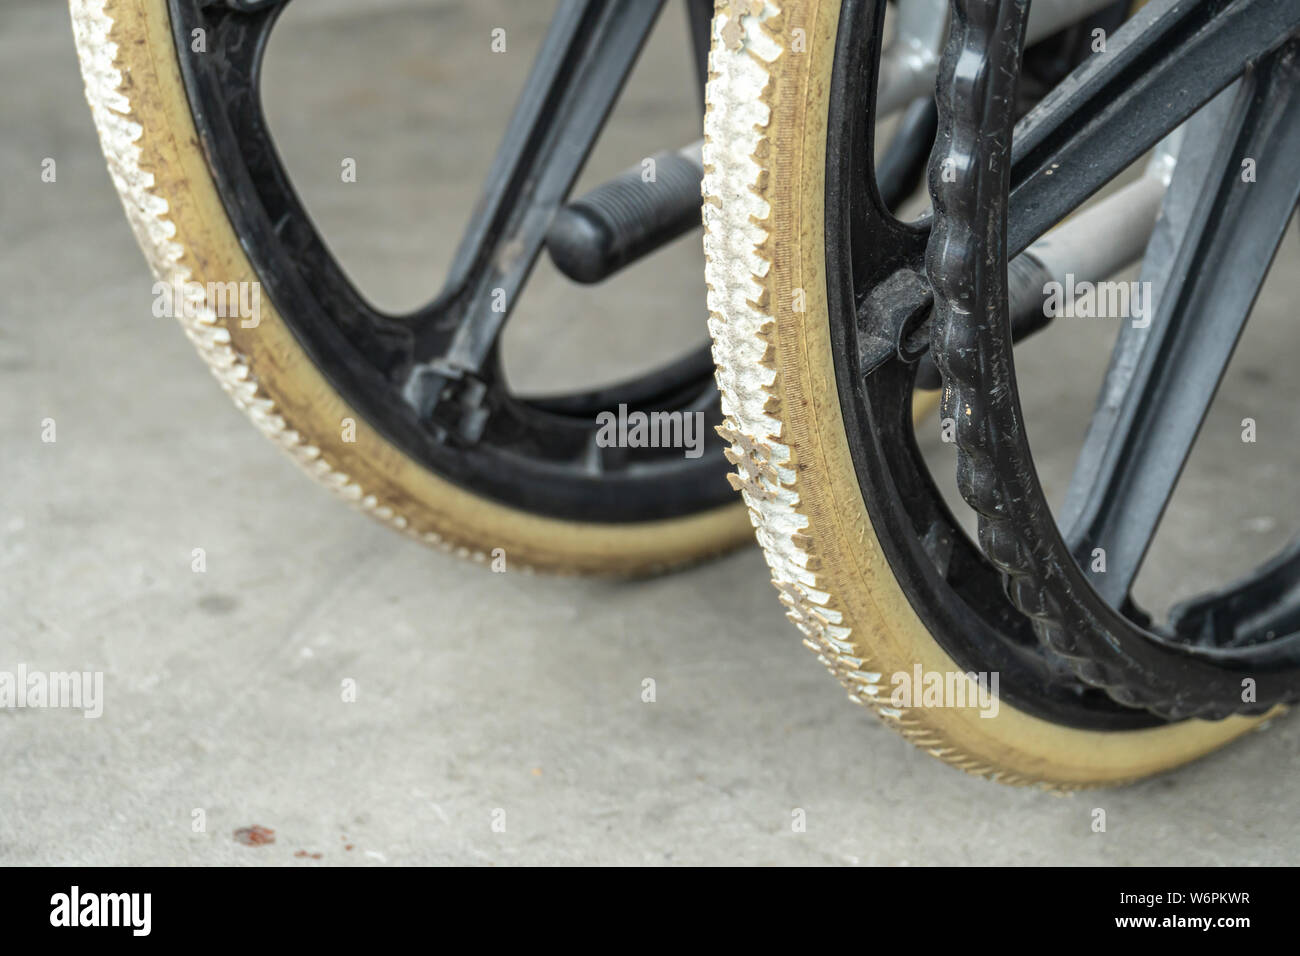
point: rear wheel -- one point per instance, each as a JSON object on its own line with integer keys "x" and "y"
{"x": 407, "y": 416}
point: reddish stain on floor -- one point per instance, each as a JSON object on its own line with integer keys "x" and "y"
{"x": 254, "y": 836}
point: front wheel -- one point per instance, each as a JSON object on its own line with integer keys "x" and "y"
{"x": 872, "y": 568}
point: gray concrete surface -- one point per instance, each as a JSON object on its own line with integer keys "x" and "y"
{"x": 477, "y": 691}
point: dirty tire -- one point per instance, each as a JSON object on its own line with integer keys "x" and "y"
{"x": 765, "y": 162}
{"x": 139, "y": 104}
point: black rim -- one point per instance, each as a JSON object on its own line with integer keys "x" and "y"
{"x": 431, "y": 381}
{"x": 952, "y": 587}
{"x": 1238, "y": 649}
{"x": 1112, "y": 110}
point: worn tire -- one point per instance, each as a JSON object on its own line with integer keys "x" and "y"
{"x": 138, "y": 100}
{"x": 765, "y": 161}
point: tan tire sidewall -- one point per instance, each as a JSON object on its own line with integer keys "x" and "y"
{"x": 278, "y": 385}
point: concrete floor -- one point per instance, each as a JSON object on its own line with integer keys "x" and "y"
{"x": 477, "y": 691}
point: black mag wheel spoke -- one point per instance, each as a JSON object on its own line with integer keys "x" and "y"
{"x": 967, "y": 262}
{"x": 1157, "y": 395}
{"x": 1171, "y": 57}
{"x": 393, "y": 342}
{"x": 954, "y": 589}
{"x": 576, "y": 78}
{"x": 1260, "y": 608}
{"x": 535, "y": 456}
{"x": 1159, "y": 68}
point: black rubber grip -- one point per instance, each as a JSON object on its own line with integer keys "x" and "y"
{"x": 626, "y": 218}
